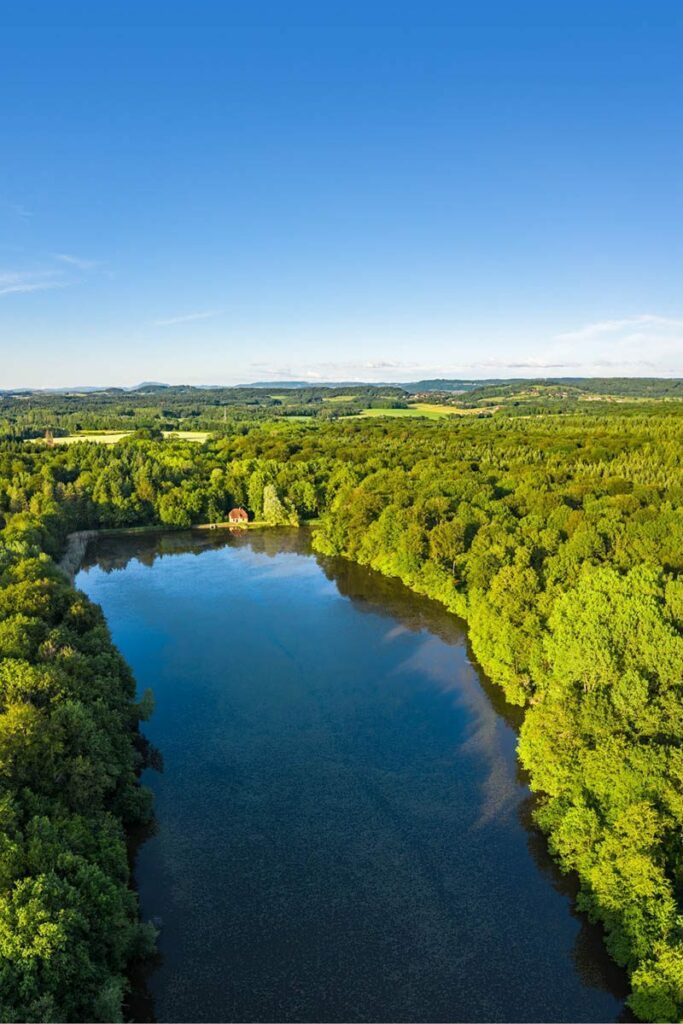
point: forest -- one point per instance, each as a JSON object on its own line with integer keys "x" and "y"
{"x": 557, "y": 536}
{"x": 28, "y": 414}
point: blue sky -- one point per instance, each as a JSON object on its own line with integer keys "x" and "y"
{"x": 218, "y": 192}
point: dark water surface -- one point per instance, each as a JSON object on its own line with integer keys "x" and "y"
{"x": 342, "y": 831}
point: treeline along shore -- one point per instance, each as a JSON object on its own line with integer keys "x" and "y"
{"x": 559, "y": 538}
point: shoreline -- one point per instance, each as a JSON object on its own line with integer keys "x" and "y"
{"x": 77, "y": 542}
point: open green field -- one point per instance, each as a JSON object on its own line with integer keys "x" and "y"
{"x": 99, "y": 437}
{"x": 424, "y": 409}
{"x": 198, "y": 436}
{"x": 112, "y": 436}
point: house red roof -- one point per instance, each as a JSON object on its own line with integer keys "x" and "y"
{"x": 238, "y": 515}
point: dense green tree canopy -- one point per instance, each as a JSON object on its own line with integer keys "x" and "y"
{"x": 558, "y": 537}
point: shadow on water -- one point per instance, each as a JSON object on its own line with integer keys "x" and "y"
{"x": 374, "y": 594}
{"x": 371, "y": 592}
{"x": 594, "y": 965}
{"x": 380, "y": 595}
{"x": 139, "y": 1002}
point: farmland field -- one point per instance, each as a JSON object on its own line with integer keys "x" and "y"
{"x": 425, "y": 409}
{"x": 112, "y": 436}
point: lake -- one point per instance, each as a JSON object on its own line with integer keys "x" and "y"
{"x": 342, "y": 830}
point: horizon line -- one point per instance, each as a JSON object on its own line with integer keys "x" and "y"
{"x": 327, "y": 382}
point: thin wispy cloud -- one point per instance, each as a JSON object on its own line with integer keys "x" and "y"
{"x": 18, "y": 209}
{"x": 612, "y": 364}
{"x": 645, "y": 342}
{"x": 388, "y": 372}
{"x": 376, "y": 364}
{"x": 321, "y": 370}
{"x": 337, "y": 370}
{"x": 76, "y": 261}
{"x": 640, "y": 326}
{"x": 187, "y": 318}
{"x": 17, "y": 282}
{"x": 44, "y": 278}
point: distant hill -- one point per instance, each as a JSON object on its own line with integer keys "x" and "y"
{"x": 576, "y": 387}
{"x": 290, "y": 385}
{"x": 438, "y": 384}
{"x": 625, "y": 387}
{"x": 445, "y": 384}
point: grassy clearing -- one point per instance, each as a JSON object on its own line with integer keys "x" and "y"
{"x": 112, "y": 436}
{"x": 424, "y": 409}
{"x": 451, "y": 410}
{"x": 396, "y": 413}
{"x": 99, "y": 437}
{"x": 199, "y": 436}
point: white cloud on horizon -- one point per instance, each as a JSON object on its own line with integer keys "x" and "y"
{"x": 641, "y": 345}
{"x": 415, "y": 371}
{"x": 645, "y": 342}
{"x": 635, "y": 345}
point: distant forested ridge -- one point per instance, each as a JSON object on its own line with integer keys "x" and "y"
{"x": 559, "y": 537}
{"x": 630, "y": 387}
{"x": 28, "y": 414}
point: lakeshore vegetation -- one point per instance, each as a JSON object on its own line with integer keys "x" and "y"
{"x": 557, "y": 533}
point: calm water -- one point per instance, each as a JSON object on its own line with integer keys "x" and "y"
{"x": 342, "y": 831}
